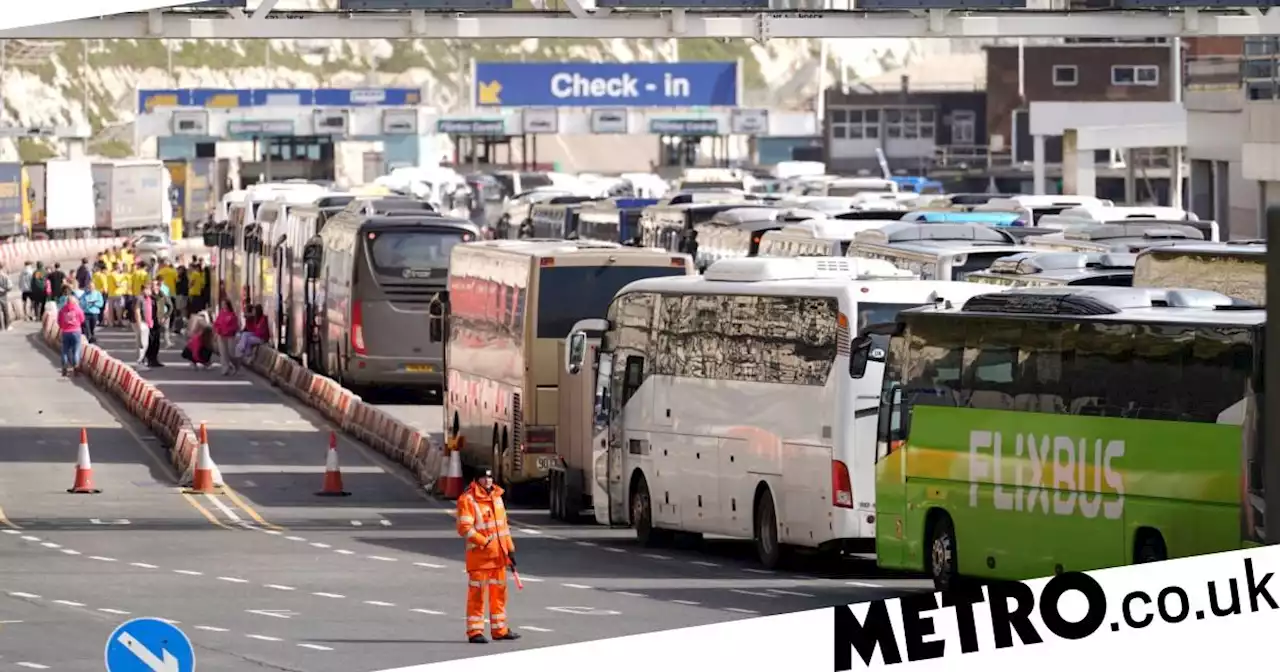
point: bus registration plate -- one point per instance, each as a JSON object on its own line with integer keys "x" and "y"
{"x": 419, "y": 368}
{"x": 545, "y": 463}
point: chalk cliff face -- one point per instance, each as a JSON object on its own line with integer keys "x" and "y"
{"x": 93, "y": 82}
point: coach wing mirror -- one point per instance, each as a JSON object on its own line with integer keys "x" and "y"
{"x": 311, "y": 254}
{"x": 865, "y": 349}
{"x": 575, "y": 344}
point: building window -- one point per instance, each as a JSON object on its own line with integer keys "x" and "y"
{"x": 1135, "y": 75}
{"x": 1066, "y": 75}
{"x": 855, "y": 124}
{"x": 909, "y": 123}
{"x": 963, "y": 127}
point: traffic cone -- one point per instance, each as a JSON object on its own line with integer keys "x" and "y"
{"x": 204, "y": 478}
{"x": 332, "y": 474}
{"x": 451, "y": 485}
{"x": 84, "y": 469}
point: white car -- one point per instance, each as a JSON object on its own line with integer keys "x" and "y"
{"x": 151, "y": 244}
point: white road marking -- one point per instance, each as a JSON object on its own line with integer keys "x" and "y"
{"x": 690, "y": 603}
{"x": 33, "y": 666}
{"x": 756, "y": 571}
{"x": 532, "y": 533}
{"x": 344, "y": 551}
{"x": 232, "y": 579}
{"x": 428, "y": 565}
{"x": 741, "y": 611}
{"x": 69, "y": 551}
{"x": 277, "y": 586}
{"x": 101, "y": 558}
{"x": 627, "y": 594}
{"x": 613, "y": 549}
{"x": 143, "y": 565}
{"x": 264, "y": 638}
{"x": 750, "y": 592}
{"x": 788, "y": 592}
{"x": 117, "y": 612}
{"x": 383, "y": 558}
{"x": 703, "y": 563}
{"x": 429, "y": 612}
{"x": 585, "y": 611}
{"x": 274, "y": 533}
{"x": 315, "y": 647}
{"x": 50, "y": 544}
{"x": 320, "y": 545}
{"x": 278, "y": 443}
{"x": 804, "y": 577}
{"x": 295, "y": 538}
{"x": 534, "y": 628}
{"x": 576, "y": 585}
{"x": 655, "y": 556}
{"x": 356, "y": 523}
{"x": 531, "y": 579}
{"x": 188, "y": 572}
{"x": 862, "y": 584}
{"x": 376, "y": 603}
{"x": 28, "y": 537}
{"x": 226, "y": 510}
{"x": 273, "y": 613}
{"x": 584, "y": 543}
{"x": 11, "y": 531}
{"x": 69, "y": 603}
{"x": 211, "y": 628}
{"x": 330, "y": 595}
{"x": 384, "y": 522}
{"x": 29, "y": 596}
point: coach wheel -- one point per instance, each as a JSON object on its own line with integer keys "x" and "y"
{"x": 768, "y": 549}
{"x": 642, "y": 516}
{"x": 1149, "y": 548}
{"x": 943, "y": 559}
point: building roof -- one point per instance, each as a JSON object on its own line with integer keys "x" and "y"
{"x": 954, "y": 72}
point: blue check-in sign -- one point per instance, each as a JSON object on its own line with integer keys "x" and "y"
{"x": 149, "y": 645}
{"x": 690, "y": 84}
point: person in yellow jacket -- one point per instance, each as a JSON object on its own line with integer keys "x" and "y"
{"x": 482, "y": 523}
{"x": 117, "y": 292}
{"x": 167, "y": 274}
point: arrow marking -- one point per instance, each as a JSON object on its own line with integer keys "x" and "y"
{"x": 117, "y": 521}
{"x": 167, "y": 664}
{"x": 273, "y": 613}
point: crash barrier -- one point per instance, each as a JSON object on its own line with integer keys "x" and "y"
{"x": 66, "y": 252}
{"x": 394, "y": 439}
{"x": 144, "y": 400}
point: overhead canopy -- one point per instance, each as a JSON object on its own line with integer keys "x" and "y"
{"x": 42, "y": 13}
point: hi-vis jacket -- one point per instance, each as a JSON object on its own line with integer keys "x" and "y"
{"x": 482, "y": 522}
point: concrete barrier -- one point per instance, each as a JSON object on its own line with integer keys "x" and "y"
{"x": 394, "y": 439}
{"x": 373, "y": 426}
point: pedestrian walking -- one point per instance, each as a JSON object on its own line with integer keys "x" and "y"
{"x": 6, "y": 286}
{"x": 143, "y": 317}
{"x": 181, "y": 285}
{"x": 70, "y": 322}
{"x": 93, "y": 303}
{"x": 57, "y": 278}
{"x": 39, "y": 291}
{"x": 164, "y": 311}
{"x": 490, "y": 550}
{"x": 225, "y": 327}
{"x": 24, "y": 286}
{"x": 84, "y": 275}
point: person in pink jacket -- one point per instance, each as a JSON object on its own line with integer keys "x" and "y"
{"x": 70, "y": 321}
{"x": 257, "y": 330}
{"x": 225, "y": 327}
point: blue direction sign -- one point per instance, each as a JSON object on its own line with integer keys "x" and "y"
{"x": 149, "y": 645}
{"x": 706, "y": 84}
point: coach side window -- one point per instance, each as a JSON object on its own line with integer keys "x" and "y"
{"x": 1043, "y": 385}
{"x": 1220, "y": 366}
{"x": 1102, "y": 369}
{"x": 1157, "y": 390}
{"x": 936, "y": 362}
{"x": 991, "y": 356}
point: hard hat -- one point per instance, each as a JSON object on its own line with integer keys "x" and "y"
{"x": 485, "y": 473}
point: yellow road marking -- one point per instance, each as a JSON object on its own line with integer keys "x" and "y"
{"x": 4, "y": 520}
{"x": 244, "y": 506}
{"x": 203, "y": 511}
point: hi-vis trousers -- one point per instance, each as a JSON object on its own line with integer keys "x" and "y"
{"x": 494, "y": 581}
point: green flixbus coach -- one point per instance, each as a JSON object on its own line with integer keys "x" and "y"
{"x": 1050, "y": 429}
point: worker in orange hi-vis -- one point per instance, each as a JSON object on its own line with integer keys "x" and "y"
{"x": 482, "y": 522}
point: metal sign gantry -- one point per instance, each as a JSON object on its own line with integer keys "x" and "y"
{"x": 582, "y": 22}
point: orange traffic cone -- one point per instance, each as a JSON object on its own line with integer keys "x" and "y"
{"x": 84, "y": 469}
{"x": 332, "y": 474}
{"x": 203, "y": 478}
{"x": 451, "y": 486}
